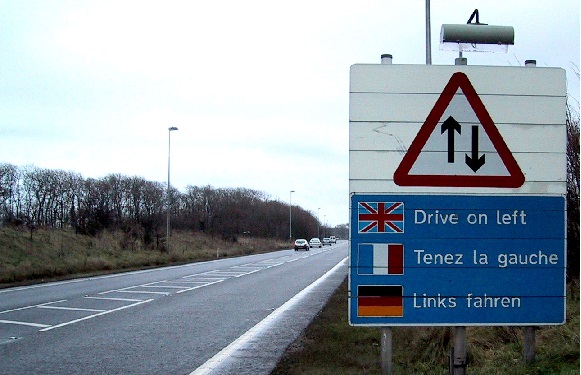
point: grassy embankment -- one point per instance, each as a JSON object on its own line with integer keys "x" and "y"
{"x": 330, "y": 346}
{"x": 57, "y": 254}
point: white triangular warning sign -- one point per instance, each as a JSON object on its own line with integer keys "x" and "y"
{"x": 459, "y": 145}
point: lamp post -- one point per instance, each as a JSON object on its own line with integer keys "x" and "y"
{"x": 428, "y": 35}
{"x": 290, "y": 216}
{"x": 170, "y": 129}
{"x": 318, "y": 222}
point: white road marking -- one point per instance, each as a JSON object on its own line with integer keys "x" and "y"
{"x": 58, "y": 283}
{"x": 30, "y": 307}
{"x": 249, "y": 266}
{"x": 94, "y": 315}
{"x": 123, "y": 274}
{"x": 198, "y": 286}
{"x": 238, "y": 344}
{"x": 140, "y": 291}
{"x": 116, "y": 299}
{"x": 248, "y": 273}
{"x": 201, "y": 279}
{"x": 129, "y": 290}
{"x": 69, "y": 308}
{"x": 164, "y": 286}
{"x": 38, "y": 325}
{"x": 226, "y": 273}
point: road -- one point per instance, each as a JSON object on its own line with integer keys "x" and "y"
{"x": 227, "y": 316}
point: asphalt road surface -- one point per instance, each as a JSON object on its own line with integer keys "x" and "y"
{"x": 228, "y": 316}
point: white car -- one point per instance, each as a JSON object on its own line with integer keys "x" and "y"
{"x": 315, "y": 242}
{"x": 333, "y": 239}
{"x": 301, "y": 243}
{"x": 326, "y": 241}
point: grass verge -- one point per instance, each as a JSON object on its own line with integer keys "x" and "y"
{"x": 330, "y": 346}
{"x": 48, "y": 254}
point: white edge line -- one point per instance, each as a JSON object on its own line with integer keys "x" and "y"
{"x": 214, "y": 362}
{"x": 94, "y": 315}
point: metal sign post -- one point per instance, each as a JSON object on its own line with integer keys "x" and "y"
{"x": 386, "y": 351}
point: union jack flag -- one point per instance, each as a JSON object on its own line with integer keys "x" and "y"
{"x": 380, "y": 217}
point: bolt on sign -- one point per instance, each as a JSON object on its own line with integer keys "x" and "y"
{"x": 457, "y": 179}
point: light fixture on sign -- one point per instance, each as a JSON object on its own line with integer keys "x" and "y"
{"x": 476, "y": 36}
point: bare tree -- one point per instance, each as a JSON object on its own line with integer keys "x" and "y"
{"x": 9, "y": 193}
{"x": 56, "y": 198}
{"x": 572, "y": 193}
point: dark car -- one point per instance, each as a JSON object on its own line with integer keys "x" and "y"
{"x": 301, "y": 244}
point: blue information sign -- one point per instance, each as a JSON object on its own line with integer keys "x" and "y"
{"x": 457, "y": 260}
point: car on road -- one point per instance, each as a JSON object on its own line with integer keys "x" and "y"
{"x": 326, "y": 241}
{"x": 333, "y": 239}
{"x": 301, "y": 244}
{"x": 315, "y": 242}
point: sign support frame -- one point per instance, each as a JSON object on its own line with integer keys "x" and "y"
{"x": 458, "y": 360}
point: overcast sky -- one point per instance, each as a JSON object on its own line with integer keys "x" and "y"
{"x": 259, "y": 89}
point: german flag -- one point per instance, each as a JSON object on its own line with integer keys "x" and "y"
{"x": 380, "y": 300}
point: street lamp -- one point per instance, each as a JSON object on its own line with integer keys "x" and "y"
{"x": 318, "y": 222}
{"x": 170, "y": 129}
{"x": 290, "y": 215}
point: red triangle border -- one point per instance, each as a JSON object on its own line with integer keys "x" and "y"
{"x": 401, "y": 177}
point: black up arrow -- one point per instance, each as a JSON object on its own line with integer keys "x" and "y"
{"x": 450, "y": 125}
{"x": 475, "y": 162}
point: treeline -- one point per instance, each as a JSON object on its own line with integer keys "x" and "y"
{"x": 39, "y": 197}
{"x": 573, "y": 201}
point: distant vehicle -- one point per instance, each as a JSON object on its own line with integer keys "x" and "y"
{"x": 326, "y": 241}
{"x": 315, "y": 242}
{"x": 301, "y": 244}
{"x": 333, "y": 239}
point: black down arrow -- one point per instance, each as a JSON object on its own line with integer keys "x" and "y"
{"x": 475, "y": 162}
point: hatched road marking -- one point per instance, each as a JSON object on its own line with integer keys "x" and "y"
{"x": 196, "y": 281}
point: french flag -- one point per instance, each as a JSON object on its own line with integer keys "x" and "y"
{"x": 380, "y": 259}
